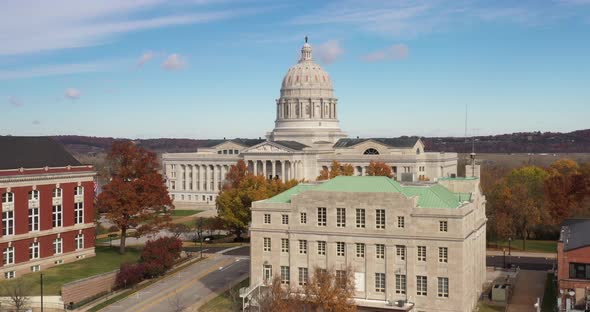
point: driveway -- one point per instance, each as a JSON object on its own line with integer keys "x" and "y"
{"x": 529, "y": 287}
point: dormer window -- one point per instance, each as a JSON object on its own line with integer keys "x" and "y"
{"x": 371, "y": 151}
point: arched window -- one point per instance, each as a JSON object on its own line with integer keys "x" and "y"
{"x": 79, "y": 190}
{"x": 8, "y": 198}
{"x": 418, "y": 151}
{"x": 371, "y": 151}
{"x": 34, "y": 195}
{"x": 57, "y": 193}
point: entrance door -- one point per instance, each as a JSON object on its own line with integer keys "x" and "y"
{"x": 267, "y": 273}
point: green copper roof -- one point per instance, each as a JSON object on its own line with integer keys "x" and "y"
{"x": 429, "y": 196}
{"x": 285, "y": 197}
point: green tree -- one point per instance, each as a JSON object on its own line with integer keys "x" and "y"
{"x": 234, "y": 202}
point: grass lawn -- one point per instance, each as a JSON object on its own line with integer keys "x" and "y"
{"x": 223, "y": 302}
{"x": 531, "y": 245}
{"x": 183, "y": 213}
{"x": 490, "y": 308}
{"x": 550, "y": 297}
{"x": 106, "y": 260}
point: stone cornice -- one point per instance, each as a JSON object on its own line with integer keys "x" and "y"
{"x": 31, "y": 179}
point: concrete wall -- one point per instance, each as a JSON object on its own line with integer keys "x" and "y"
{"x": 88, "y": 287}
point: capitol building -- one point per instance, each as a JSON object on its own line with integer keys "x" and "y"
{"x": 306, "y": 138}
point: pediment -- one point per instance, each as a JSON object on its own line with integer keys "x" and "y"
{"x": 268, "y": 148}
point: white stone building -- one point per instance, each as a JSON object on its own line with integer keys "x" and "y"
{"x": 306, "y": 138}
{"x": 411, "y": 246}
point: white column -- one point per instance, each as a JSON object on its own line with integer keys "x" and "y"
{"x": 215, "y": 176}
{"x": 264, "y": 169}
{"x": 274, "y": 168}
{"x": 194, "y": 177}
{"x": 255, "y": 162}
{"x": 201, "y": 177}
{"x": 283, "y": 176}
{"x": 207, "y": 177}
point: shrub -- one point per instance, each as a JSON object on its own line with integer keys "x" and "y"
{"x": 113, "y": 228}
{"x": 163, "y": 251}
{"x": 130, "y": 274}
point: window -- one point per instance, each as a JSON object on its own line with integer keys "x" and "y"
{"x": 34, "y": 195}
{"x": 340, "y": 249}
{"x": 341, "y": 278}
{"x": 266, "y": 244}
{"x": 421, "y": 285}
{"x": 401, "y": 223}
{"x": 9, "y": 275}
{"x": 443, "y": 226}
{"x": 57, "y": 192}
{"x": 303, "y": 276}
{"x": 285, "y": 275}
{"x": 79, "y": 241}
{"x": 380, "y": 218}
{"x": 421, "y": 253}
{"x": 380, "y": 282}
{"x": 267, "y": 218}
{"x": 285, "y": 219}
{"x": 78, "y": 213}
{"x": 580, "y": 270}
{"x": 371, "y": 151}
{"x": 443, "y": 254}
{"x": 78, "y": 191}
{"x": 380, "y": 251}
{"x": 321, "y": 248}
{"x": 57, "y": 246}
{"x": 360, "y": 250}
{"x": 284, "y": 245}
{"x": 400, "y": 252}
{"x": 8, "y": 198}
{"x": 57, "y": 216}
{"x": 8, "y": 222}
{"x": 35, "y": 268}
{"x": 360, "y": 218}
{"x": 303, "y": 247}
{"x": 34, "y": 251}
{"x": 443, "y": 287}
{"x": 303, "y": 218}
{"x": 8, "y": 256}
{"x": 400, "y": 284}
{"x": 321, "y": 216}
{"x": 340, "y": 217}
{"x": 33, "y": 219}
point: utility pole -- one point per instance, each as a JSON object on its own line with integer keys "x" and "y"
{"x": 41, "y": 292}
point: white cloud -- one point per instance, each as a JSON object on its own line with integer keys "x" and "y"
{"x": 392, "y": 53}
{"x": 32, "y": 26}
{"x": 329, "y": 51}
{"x": 174, "y": 62}
{"x": 145, "y": 57}
{"x": 72, "y": 93}
{"x": 14, "y": 101}
{"x": 52, "y": 70}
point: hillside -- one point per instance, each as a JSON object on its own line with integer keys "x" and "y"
{"x": 523, "y": 142}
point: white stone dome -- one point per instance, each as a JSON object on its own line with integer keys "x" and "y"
{"x": 306, "y": 78}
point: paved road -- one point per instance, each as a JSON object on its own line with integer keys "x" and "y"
{"x": 525, "y": 263}
{"x": 188, "y": 288}
{"x": 530, "y": 285}
{"x": 242, "y": 251}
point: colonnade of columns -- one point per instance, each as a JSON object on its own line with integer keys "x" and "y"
{"x": 279, "y": 169}
{"x": 202, "y": 177}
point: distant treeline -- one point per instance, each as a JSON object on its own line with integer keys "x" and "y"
{"x": 522, "y": 142}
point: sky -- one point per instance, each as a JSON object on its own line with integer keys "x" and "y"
{"x": 213, "y": 68}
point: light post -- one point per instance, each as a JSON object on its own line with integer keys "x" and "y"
{"x": 200, "y": 231}
{"x": 41, "y": 292}
{"x": 509, "y": 255}
{"x": 504, "y": 251}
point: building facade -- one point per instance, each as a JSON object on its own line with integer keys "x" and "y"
{"x": 416, "y": 246}
{"x": 306, "y": 138}
{"x": 47, "y": 206}
{"x": 573, "y": 265}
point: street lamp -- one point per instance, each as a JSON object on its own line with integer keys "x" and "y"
{"x": 509, "y": 240}
{"x": 504, "y": 251}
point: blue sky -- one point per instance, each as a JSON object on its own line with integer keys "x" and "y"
{"x": 213, "y": 68}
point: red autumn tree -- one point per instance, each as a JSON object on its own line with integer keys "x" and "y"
{"x": 159, "y": 255}
{"x": 136, "y": 196}
{"x": 236, "y": 174}
{"x": 378, "y": 168}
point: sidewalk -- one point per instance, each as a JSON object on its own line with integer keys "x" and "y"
{"x": 546, "y": 255}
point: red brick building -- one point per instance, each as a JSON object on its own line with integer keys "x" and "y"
{"x": 47, "y": 206}
{"x": 573, "y": 265}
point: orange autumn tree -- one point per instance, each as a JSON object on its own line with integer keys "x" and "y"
{"x": 136, "y": 194}
{"x": 378, "y": 168}
{"x": 336, "y": 169}
{"x": 330, "y": 290}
